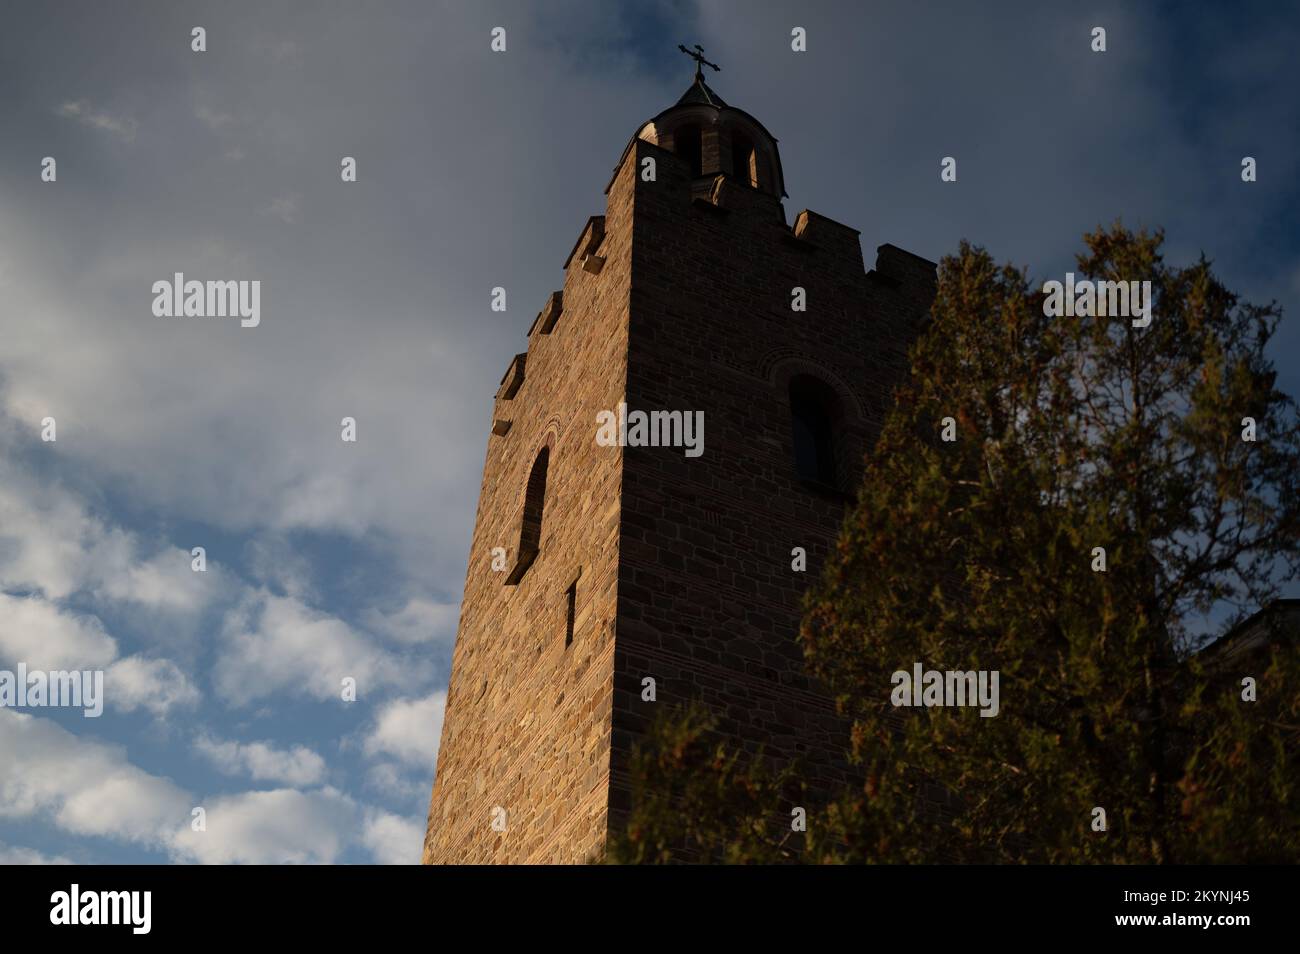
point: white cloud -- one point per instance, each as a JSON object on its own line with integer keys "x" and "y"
{"x": 206, "y": 422}
{"x": 283, "y": 826}
{"x": 409, "y": 730}
{"x": 50, "y": 541}
{"x": 392, "y": 839}
{"x": 36, "y": 632}
{"x": 15, "y": 855}
{"x": 84, "y": 787}
{"x": 81, "y": 110}
{"x": 262, "y": 761}
{"x": 418, "y": 621}
{"x": 163, "y": 581}
{"x": 271, "y": 558}
{"x": 396, "y": 782}
{"x": 278, "y": 644}
{"x": 157, "y": 685}
{"x": 45, "y": 637}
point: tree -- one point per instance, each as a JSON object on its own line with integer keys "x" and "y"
{"x": 695, "y": 798}
{"x": 1072, "y": 435}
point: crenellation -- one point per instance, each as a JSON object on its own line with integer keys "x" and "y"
{"x": 513, "y": 379}
{"x": 593, "y": 233}
{"x": 832, "y": 237}
{"x": 545, "y": 321}
{"x": 914, "y": 274}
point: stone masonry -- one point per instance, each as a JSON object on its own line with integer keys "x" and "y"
{"x": 677, "y": 568}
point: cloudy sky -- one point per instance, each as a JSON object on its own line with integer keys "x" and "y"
{"x": 475, "y": 169}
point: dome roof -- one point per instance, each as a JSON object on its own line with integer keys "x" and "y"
{"x": 700, "y": 99}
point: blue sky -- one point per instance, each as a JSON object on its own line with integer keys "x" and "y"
{"x": 475, "y": 170}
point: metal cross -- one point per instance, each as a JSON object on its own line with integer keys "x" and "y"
{"x": 698, "y": 56}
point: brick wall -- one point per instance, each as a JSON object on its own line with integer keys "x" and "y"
{"x": 683, "y": 565}
{"x": 708, "y": 603}
{"x": 527, "y": 726}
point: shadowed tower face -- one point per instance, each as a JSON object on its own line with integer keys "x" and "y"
{"x": 599, "y": 564}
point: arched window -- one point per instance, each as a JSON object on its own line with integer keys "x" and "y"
{"x": 686, "y": 143}
{"x": 814, "y": 411}
{"x": 530, "y": 526}
{"x": 743, "y": 165}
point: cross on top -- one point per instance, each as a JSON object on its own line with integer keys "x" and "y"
{"x": 698, "y": 56}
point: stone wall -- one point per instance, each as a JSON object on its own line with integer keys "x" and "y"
{"x": 683, "y": 565}
{"x": 527, "y": 725}
{"x": 708, "y": 602}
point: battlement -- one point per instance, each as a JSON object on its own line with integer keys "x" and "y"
{"x": 910, "y": 277}
{"x": 830, "y": 236}
{"x": 585, "y": 250}
{"x": 896, "y": 269}
{"x": 513, "y": 379}
{"x": 812, "y": 232}
{"x": 545, "y": 321}
{"x": 904, "y": 267}
{"x": 585, "y": 257}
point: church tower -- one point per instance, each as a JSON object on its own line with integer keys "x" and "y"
{"x": 596, "y": 566}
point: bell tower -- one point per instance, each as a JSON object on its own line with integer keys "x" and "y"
{"x": 595, "y": 565}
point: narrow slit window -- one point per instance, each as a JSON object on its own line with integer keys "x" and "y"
{"x": 570, "y": 608}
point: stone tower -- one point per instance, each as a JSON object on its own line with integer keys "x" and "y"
{"x": 593, "y": 567}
